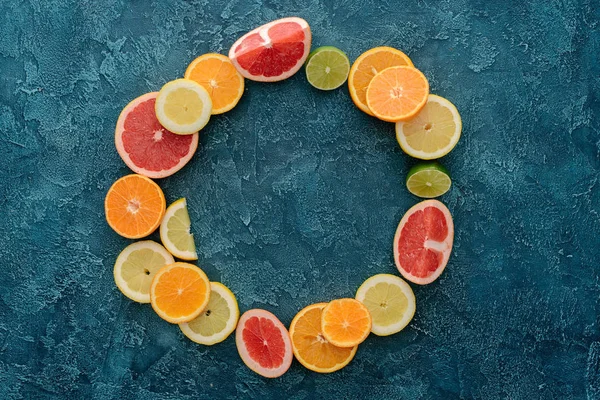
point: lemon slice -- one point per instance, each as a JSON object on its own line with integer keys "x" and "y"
{"x": 217, "y": 321}
{"x": 433, "y": 132}
{"x": 136, "y": 266}
{"x": 175, "y": 231}
{"x": 390, "y": 301}
{"x": 183, "y": 106}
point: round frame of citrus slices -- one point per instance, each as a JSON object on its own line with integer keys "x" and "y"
{"x": 324, "y": 337}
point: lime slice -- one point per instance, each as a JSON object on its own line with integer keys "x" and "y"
{"x": 175, "y": 231}
{"x": 428, "y": 180}
{"x": 327, "y": 68}
{"x": 433, "y": 132}
{"x": 136, "y": 266}
{"x": 390, "y": 301}
{"x": 217, "y": 321}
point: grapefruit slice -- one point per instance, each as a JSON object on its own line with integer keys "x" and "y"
{"x": 272, "y": 52}
{"x": 423, "y": 242}
{"x": 145, "y": 146}
{"x": 263, "y": 343}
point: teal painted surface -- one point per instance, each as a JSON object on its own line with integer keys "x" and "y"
{"x": 295, "y": 196}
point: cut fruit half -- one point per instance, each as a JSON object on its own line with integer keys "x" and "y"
{"x": 310, "y": 346}
{"x": 136, "y": 266}
{"x": 327, "y": 68}
{"x": 345, "y": 322}
{"x": 390, "y": 301}
{"x": 423, "y": 242}
{"x": 272, "y": 52}
{"x": 428, "y": 180}
{"x": 217, "y": 321}
{"x": 175, "y": 231}
{"x": 433, "y": 132}
{"x": 263, "y": 343}
{"x": 183, "y": 106}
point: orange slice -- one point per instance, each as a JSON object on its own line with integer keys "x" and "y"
{"x": 345, "y": 322}
{"x": 218, "y": 76}
{"x": 310, "y": 346}
{"x": 134, "y": 206}
{"x": 397, "y": 93}
{"x": 369, "y": 64}
{"x": 179, "y": 292}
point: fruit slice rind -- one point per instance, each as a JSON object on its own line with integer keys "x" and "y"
{"x": 410, "y": 150}
{"x": 228, "y": 297}
{"x": 263, "y": 32}
{"x": 294, "y": 336}
{"x": 444, "y": 248}
{"x": 177, "y": 214}
{"x": 244, "y": 352}
{"x": 125, "y": 156}
{"x": 406, "y": 290}
{"x": 165, "y": 102}
{"x": 123, "y": 258}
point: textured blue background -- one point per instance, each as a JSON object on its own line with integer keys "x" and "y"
{"x": 295, "y": 196}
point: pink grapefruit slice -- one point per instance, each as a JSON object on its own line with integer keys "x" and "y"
{"x": 272, "y": 52}
{"x": 145, "y": 146}
{"x": 423, "y": 242}
{"x": 264, "y": 343}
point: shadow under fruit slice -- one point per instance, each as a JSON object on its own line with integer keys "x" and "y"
{"x": 146, "y": 146}
{"x": 134, "y": 206}
{"x": 263, "y": 343}
{"x": 423, "y": 242}
{"x": 310, "y": 346}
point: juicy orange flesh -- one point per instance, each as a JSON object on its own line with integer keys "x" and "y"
{"x": 397, "y": 92}
{"x": 220, "y": 79}
{"x": 346, "y": 321}
{"x": 313, "y": 348}
{"x": 372, "y": 65}
{"x": 134, "y": 205}
{"x": 431, "y": 129}
{"x": 180, "y": 292}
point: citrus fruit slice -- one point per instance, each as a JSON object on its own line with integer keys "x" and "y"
{"x": 146, "y": 146}
{"x": 428, "y": 180}
{"x": 136, "y": 266}
{"x": 397, "y": 93}
{"x": 217, "y": 320}
{"x": 369, "y": 64}
{"x": 263, "y": 343}
{"x": 134, "y": 206}
{"x": 327, "y": 68}
{"x": 423, "y": 241}
{"x": 433, "y": 132}
{"x": 272, "y": 52}
{"x": 175, "y": 231}
{"x": 179, "y": 292}
{"x": 183, "y": 106}
{"x": 218, "y": 76}
{"x": 345, "y": 322}
{"x": 310, "y": 346}
{"x": 390, "y": 301}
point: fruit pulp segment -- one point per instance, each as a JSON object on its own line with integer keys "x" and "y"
{"x": 139, "y": 268}
{"x": 183, "y": 106}
{"x": 422, "y": 226}
{"x": 180, "y": 292}
{"x": 214, "y": 318}
{"x": 432, "y": 129}
{"x": 385, "y": 302}
{"x": 274, "y": 54}
{"x": 148, "y": 144}
{"x": 264, "y": 342}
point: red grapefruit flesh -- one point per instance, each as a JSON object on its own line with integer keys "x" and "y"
{"x": 272, "y": 52}
{"x": 145, "y": 146}
{"x": 263, "y": 343}
{"x": 423, "y": 242}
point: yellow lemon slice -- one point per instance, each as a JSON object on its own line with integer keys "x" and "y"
{"x": 183, "y": 106}
{"x": 175, "y": 231}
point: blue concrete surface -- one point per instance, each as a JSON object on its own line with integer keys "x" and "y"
{"x": 295, "y": 195}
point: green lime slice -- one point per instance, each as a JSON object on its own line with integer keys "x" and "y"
{"x": 428, "y": 180}
{"x": 327, "y": 68}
